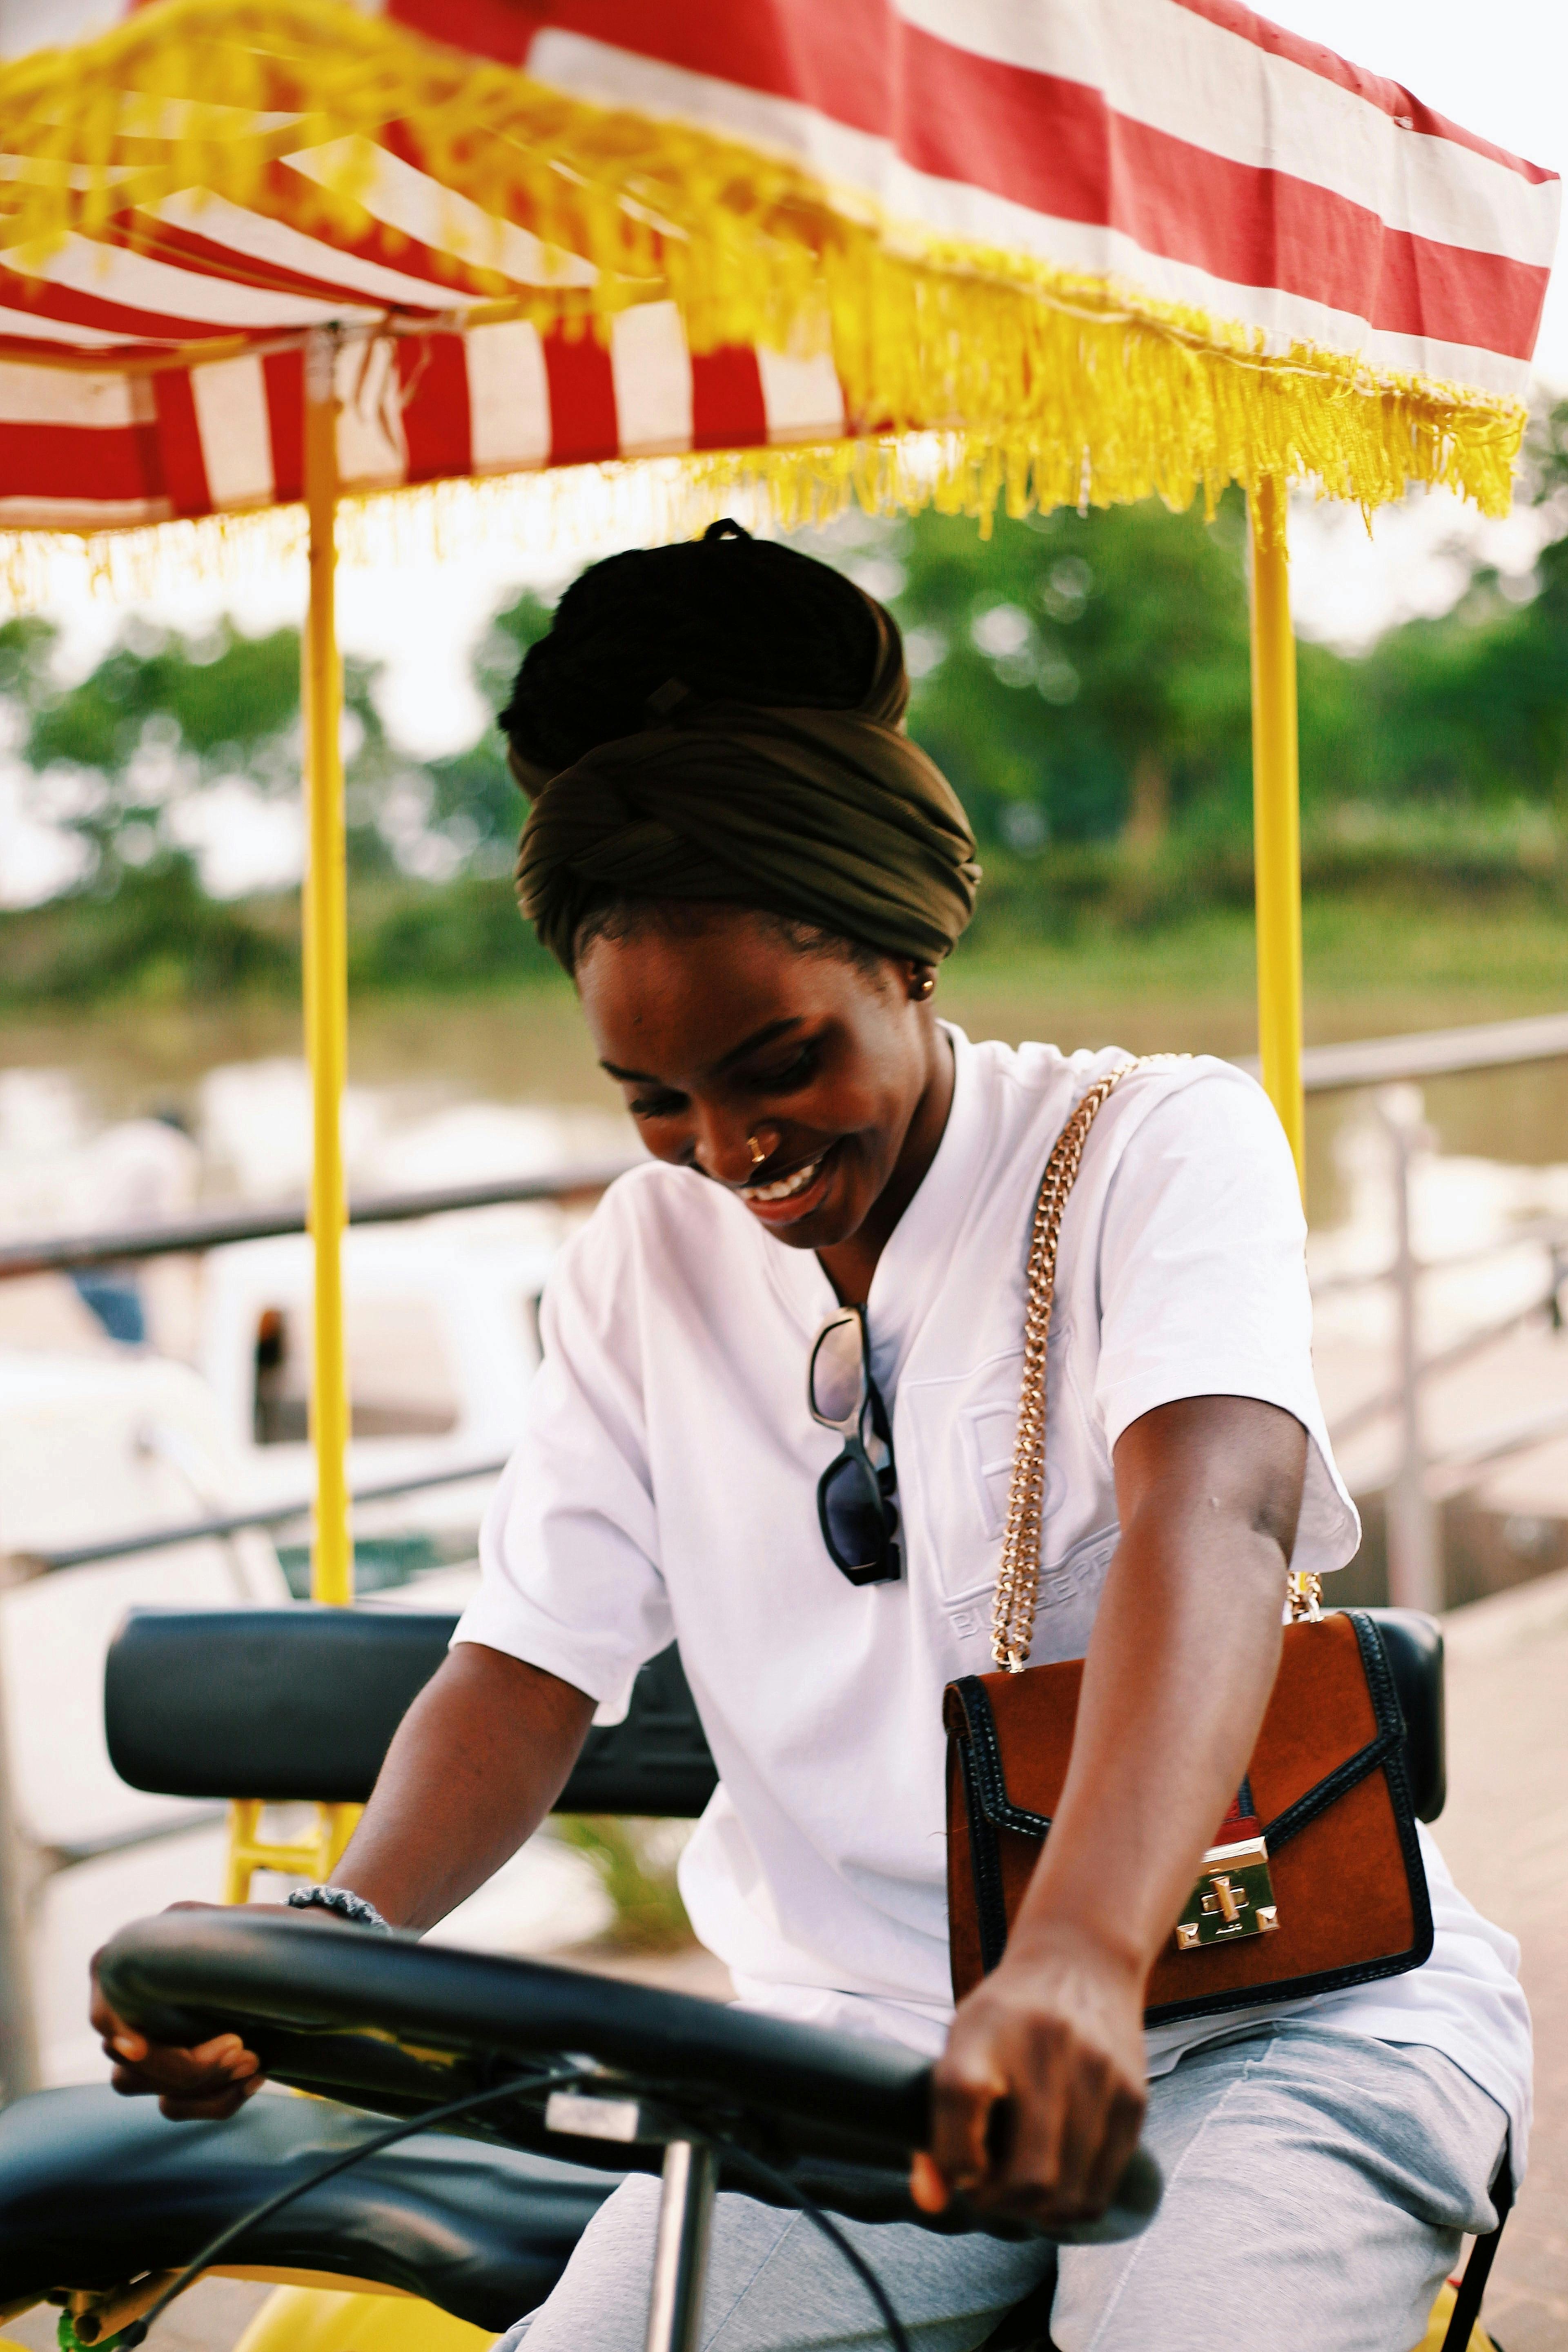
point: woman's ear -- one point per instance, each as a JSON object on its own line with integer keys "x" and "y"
{"x": 922, "y": 982}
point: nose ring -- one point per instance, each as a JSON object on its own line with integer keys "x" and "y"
{"x": 756, "y": 1151}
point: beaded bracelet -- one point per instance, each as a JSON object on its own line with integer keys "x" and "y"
{"x": 343, "y": 1904}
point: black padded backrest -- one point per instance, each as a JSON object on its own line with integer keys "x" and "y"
{"x": 302, "y": 1702}
{"x": 1413, "y": 1644}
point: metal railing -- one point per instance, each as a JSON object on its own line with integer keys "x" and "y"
{"x": 1431, "y": 1054}
{"x": 24, "y": 1867}
{"x": 1325, "y": 1070}
{"x": 221, "y": 1228}
{"x": 234, "y": 1523}
{"x": 1424, "y": 1478}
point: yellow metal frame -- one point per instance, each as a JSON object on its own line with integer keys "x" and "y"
{"x": 1277, "y": 818}
{"x": 324, "y": 938}
{"x": 314, "y": 1858}
{"x": 325, "y": 930}
{"x": 315, "y": 2319}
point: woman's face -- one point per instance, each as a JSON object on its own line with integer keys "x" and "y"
{"x": 720, "y": 1031}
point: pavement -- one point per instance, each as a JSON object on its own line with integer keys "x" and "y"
{"x": 1504, "y": 1834}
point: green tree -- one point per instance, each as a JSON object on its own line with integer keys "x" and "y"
{"x": 1078, "y": 677}
{"x": 1470, "y": 711}
{"x": 163, "y": 716}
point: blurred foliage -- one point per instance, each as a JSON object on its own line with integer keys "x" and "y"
{"x": 636, "y": 1862}
{"x": 1083, "y": 680}
{"x": 122, "y": 757}
{"x": 1078, "y": 677}
{"x": 1472, "y": 711}
{"x": 223, "y": 698}
{"x": 156, "y": 936}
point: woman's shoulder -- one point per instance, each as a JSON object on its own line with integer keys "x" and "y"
{"x": 1168, "y": 1114}
{"x": 1037, "y": 1087}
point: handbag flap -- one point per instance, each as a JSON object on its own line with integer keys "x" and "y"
{"x": 1332, "y": 1718}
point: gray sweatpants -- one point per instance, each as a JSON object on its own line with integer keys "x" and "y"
{"x": 1317, "y": 2186}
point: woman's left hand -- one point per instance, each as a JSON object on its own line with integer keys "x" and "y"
{"x": 1039, "y": 2096}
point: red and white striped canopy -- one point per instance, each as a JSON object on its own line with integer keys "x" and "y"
{"x": 1185, "y": 147}
{"x": 1295, "y": 244}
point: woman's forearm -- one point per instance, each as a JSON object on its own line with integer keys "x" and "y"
{"x": 477, "y": 1761}
{"x": 1180, "y": 1666}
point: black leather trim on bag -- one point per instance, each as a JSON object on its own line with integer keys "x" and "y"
{"x": 983, "y": 1769}
{"x": 1413, "y": 1645}
{"x": 991, "y": 1911}
{"x": 1396, "y": 1772}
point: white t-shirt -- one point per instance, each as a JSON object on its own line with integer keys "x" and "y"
{"x": 665, "y": 1486}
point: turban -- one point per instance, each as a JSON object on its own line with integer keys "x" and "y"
{"x": 832, "y": 817}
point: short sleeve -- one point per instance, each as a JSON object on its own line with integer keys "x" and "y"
{"x": 1203, "y": 1283}
{"x": 569, "y": 1547}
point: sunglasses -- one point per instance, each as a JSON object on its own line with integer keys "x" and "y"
{"x": 855, "y": 1495}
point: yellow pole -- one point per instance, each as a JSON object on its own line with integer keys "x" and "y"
{"x": 326, "y": 978}
{"x": 1276, "y": 817}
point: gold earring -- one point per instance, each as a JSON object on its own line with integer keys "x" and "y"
{"x": 924, "y": 987}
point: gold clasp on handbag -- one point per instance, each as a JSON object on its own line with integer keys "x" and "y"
{"x": 1233, "y": 1897}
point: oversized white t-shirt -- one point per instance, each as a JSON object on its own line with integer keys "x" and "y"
{"x": 665, "y": 1486}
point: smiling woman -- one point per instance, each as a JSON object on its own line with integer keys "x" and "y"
{"x": 712, "y": 738}
{"x": 812, "y": 1088}
{"x": 775, "y": 1420}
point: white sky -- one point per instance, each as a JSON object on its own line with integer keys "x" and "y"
{"x": 1502, "y": 70}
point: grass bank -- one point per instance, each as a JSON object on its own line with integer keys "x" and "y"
{"x": 504, "y": 1026}
{"x": 1429, "y": 921}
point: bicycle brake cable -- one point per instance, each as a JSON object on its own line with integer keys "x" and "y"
{"x": 136, "y": 2332}
{"x": 781, "y": 2183}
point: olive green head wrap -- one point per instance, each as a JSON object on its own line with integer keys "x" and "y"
{"x": 832, "y": 817}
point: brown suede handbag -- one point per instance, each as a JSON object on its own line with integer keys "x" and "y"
{"x": 1315, "y": 1879}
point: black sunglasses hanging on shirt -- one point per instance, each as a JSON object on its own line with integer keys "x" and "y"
{"x": 855, "y": 1494}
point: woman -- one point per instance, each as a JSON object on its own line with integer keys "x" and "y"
{"x": 754, "y": 877}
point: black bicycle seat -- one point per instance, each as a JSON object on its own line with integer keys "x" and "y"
{"x": 386, "y": 2022}
{"x": 95, "y": 2189}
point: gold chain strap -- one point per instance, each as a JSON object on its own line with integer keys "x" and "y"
{"x": 1018, "y": 1581}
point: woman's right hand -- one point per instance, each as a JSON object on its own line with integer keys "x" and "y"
{"x": 197, "y": 2085}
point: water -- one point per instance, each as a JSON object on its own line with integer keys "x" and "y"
{"x": 411, "y": 1060}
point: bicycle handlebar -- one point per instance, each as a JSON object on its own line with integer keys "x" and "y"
{"x": 399, "y": 2026}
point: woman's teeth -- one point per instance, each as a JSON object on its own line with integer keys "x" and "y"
{"x": 788, "y": 1186}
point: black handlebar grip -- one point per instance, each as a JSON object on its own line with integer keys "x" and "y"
{"x": 837, "y": 2097}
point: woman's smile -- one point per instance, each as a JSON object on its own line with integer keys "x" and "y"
{"x": 799, "y": 1195}
{"x": 810, "y": 1085}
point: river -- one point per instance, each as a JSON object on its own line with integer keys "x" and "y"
{"x": 415, "y": 1057}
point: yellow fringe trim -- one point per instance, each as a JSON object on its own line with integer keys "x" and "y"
{"x": 563, "y": 510}
{"x": 1030, "y": 385}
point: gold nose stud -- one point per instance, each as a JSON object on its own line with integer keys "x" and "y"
{"x": 756, "y": 1151}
